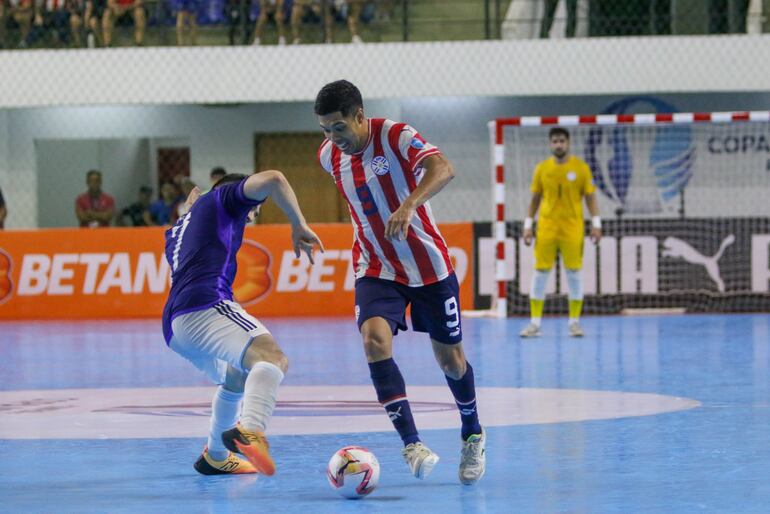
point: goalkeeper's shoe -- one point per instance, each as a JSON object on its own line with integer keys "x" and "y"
{"x": 253, "y": 446}
{"x": 531, "y": 330}
{"x": 232, "y": 465}
{"x": 575, "y": 330}
{"x": 420, "y": 458}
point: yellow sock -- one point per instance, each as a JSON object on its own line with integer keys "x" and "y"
{"x": 536, "y": 309}
{"x": 575, "y": 308}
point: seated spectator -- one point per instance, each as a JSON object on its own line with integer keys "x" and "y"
{"x": 351, "y": 10}
{"x": 58, "y": 21}
{"x": 186, "y": 21}
{"x": 266, "y": 8}
{"x": 138, "y": 213}
{"x": 216, "y": 174}
{"x": 3, "y": 210}
{"x": 163, "y": 211}
{"x": 94, "y": 208}
{"x": 120, "y": 10}
{"x": 320, "y": 8}
{"x": 20, "y": 15}
{"x": 76, "y": 10}
{"x": 93, "y": 16}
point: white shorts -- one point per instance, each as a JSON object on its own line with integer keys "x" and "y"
{"x": 216, "y": 337}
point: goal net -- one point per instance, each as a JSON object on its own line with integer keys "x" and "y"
{"x": 685, "y": 203}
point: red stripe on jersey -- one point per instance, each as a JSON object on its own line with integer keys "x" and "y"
{"x": 422, "y": 213}
{"x": 375, "y": 266}
{"x": 378, "y": 227}
{"x": 320, "y": 151}
{"x": 420, "y": 254}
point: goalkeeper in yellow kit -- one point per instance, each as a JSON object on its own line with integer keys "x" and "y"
{"x": 558, "y": 187}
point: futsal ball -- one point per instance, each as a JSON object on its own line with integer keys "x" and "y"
{"x": 353, "y": 471}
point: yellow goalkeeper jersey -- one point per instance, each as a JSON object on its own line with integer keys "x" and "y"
{"x": 562, "y": 187}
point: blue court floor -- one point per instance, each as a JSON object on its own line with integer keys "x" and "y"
{"x": 645, "y": 414}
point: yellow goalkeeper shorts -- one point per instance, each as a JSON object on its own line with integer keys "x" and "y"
{"x": 571, "y": 251}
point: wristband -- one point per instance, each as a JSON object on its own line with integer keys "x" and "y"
{"x": 528, "y": 223}
{"x": 596, "y": 222}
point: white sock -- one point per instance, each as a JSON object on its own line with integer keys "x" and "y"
{"x": 260, "y": 395}
{"x": 224, "y": 415}
{"x": 535, "y": 321}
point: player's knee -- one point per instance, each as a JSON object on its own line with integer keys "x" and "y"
{"x": 453, "y": 368}
{"x": 279, "y": 359}
{"x": 376, "y": 347}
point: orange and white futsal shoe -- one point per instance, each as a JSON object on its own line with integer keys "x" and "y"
{"x": 253, "y": 446}
{"x": 232, "y": 465}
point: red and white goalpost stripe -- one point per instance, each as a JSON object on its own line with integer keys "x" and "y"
{"x": 497, "y": 133}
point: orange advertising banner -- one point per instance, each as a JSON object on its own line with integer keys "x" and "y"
{"x": 122, "y": 272}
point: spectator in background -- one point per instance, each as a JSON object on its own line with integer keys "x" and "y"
{"x": 94, "y": 14}
{"x": 3, "y": 210}
{"x": 186, "y": 22}
{"x": 548, "y": 16}
{"x": 216, "y": 174}
{"x": 163, "y": 211}
{"x": 351, "y": 10}
{"x": 138, "y": 213}
{"x": 267, "y": 7}
{"x": 94, "y": 208}
{"x": 20, "y": 15}
{"x": 76, "y": 10}
{"x": 116, "y": 11}
{"x": 59, "y": 21}
{"x": 321, "y": 8}
{"x": 727, "y": 16}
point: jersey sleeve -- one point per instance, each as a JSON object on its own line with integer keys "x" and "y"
{"x": 537, "y": 181}
{"x": 234, "y": 201}
{"x": 413, "y": 147}
{"x": 588, "y": 180}
{"x": 325, "y": 156}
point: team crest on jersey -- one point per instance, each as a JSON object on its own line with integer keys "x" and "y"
{"x": 380, "y": 165}
{"x": 571, "y": 176}
{"x": 417, "y": 144}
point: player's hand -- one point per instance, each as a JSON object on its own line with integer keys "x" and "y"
{"x": 305, "y": 240}
{"x": 192, "y": 198}
{"x": 398, "y": 223}
{"x": 596, "y": 235}
{"x": 528, "y": 236}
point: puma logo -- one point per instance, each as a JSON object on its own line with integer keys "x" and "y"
{"x": 676, "y": 248}
{"x": 394, "y": 414}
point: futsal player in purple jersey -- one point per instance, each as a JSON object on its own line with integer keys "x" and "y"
{"x": 203, "y": 324}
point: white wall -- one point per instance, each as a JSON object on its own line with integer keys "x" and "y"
{"x": 142, "y": 76}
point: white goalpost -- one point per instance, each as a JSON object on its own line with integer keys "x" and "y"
{"x": 685, "y": 203}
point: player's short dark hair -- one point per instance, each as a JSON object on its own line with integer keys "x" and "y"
{"x": 558, "y": 131}
{"x": 219, "y": 171}
{"x": 93, "y": 172}
{"x": 339, "y": 96}
{"x": 229, "y": 179}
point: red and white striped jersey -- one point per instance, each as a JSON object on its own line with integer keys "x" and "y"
{"x": 374, "y": 182}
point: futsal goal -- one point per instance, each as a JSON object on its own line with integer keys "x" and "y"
{"x": 685, "y": 204}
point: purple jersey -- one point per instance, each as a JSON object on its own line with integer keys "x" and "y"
{"x": 201, "y": 249}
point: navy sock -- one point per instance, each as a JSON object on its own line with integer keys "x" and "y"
{"x": 391, "y": 392}
{"x": 464, "y": 391}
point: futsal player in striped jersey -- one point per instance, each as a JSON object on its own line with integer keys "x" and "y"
{"x": 386, "y": 172}
{"x": 203, "y": 324}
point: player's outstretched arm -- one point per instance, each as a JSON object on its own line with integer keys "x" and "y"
{"x": 273, "y": 184}
{"x": 438, "y": 173}
{"x": 534, "y": 205}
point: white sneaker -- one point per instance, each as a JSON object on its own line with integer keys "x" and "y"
{"x": 531, "y": 330}
{"x": 357, "y": 40}
{"x": 282, "y": 40}
{"x": 420, "y": 458}
{"x": 256, "y": 41}
{"x": 575, "y": 330}
{"x": 473, "y": 459}
{"x": 296, "y": 41}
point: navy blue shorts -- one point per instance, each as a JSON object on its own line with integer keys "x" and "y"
{"x": 435, "y": 308}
